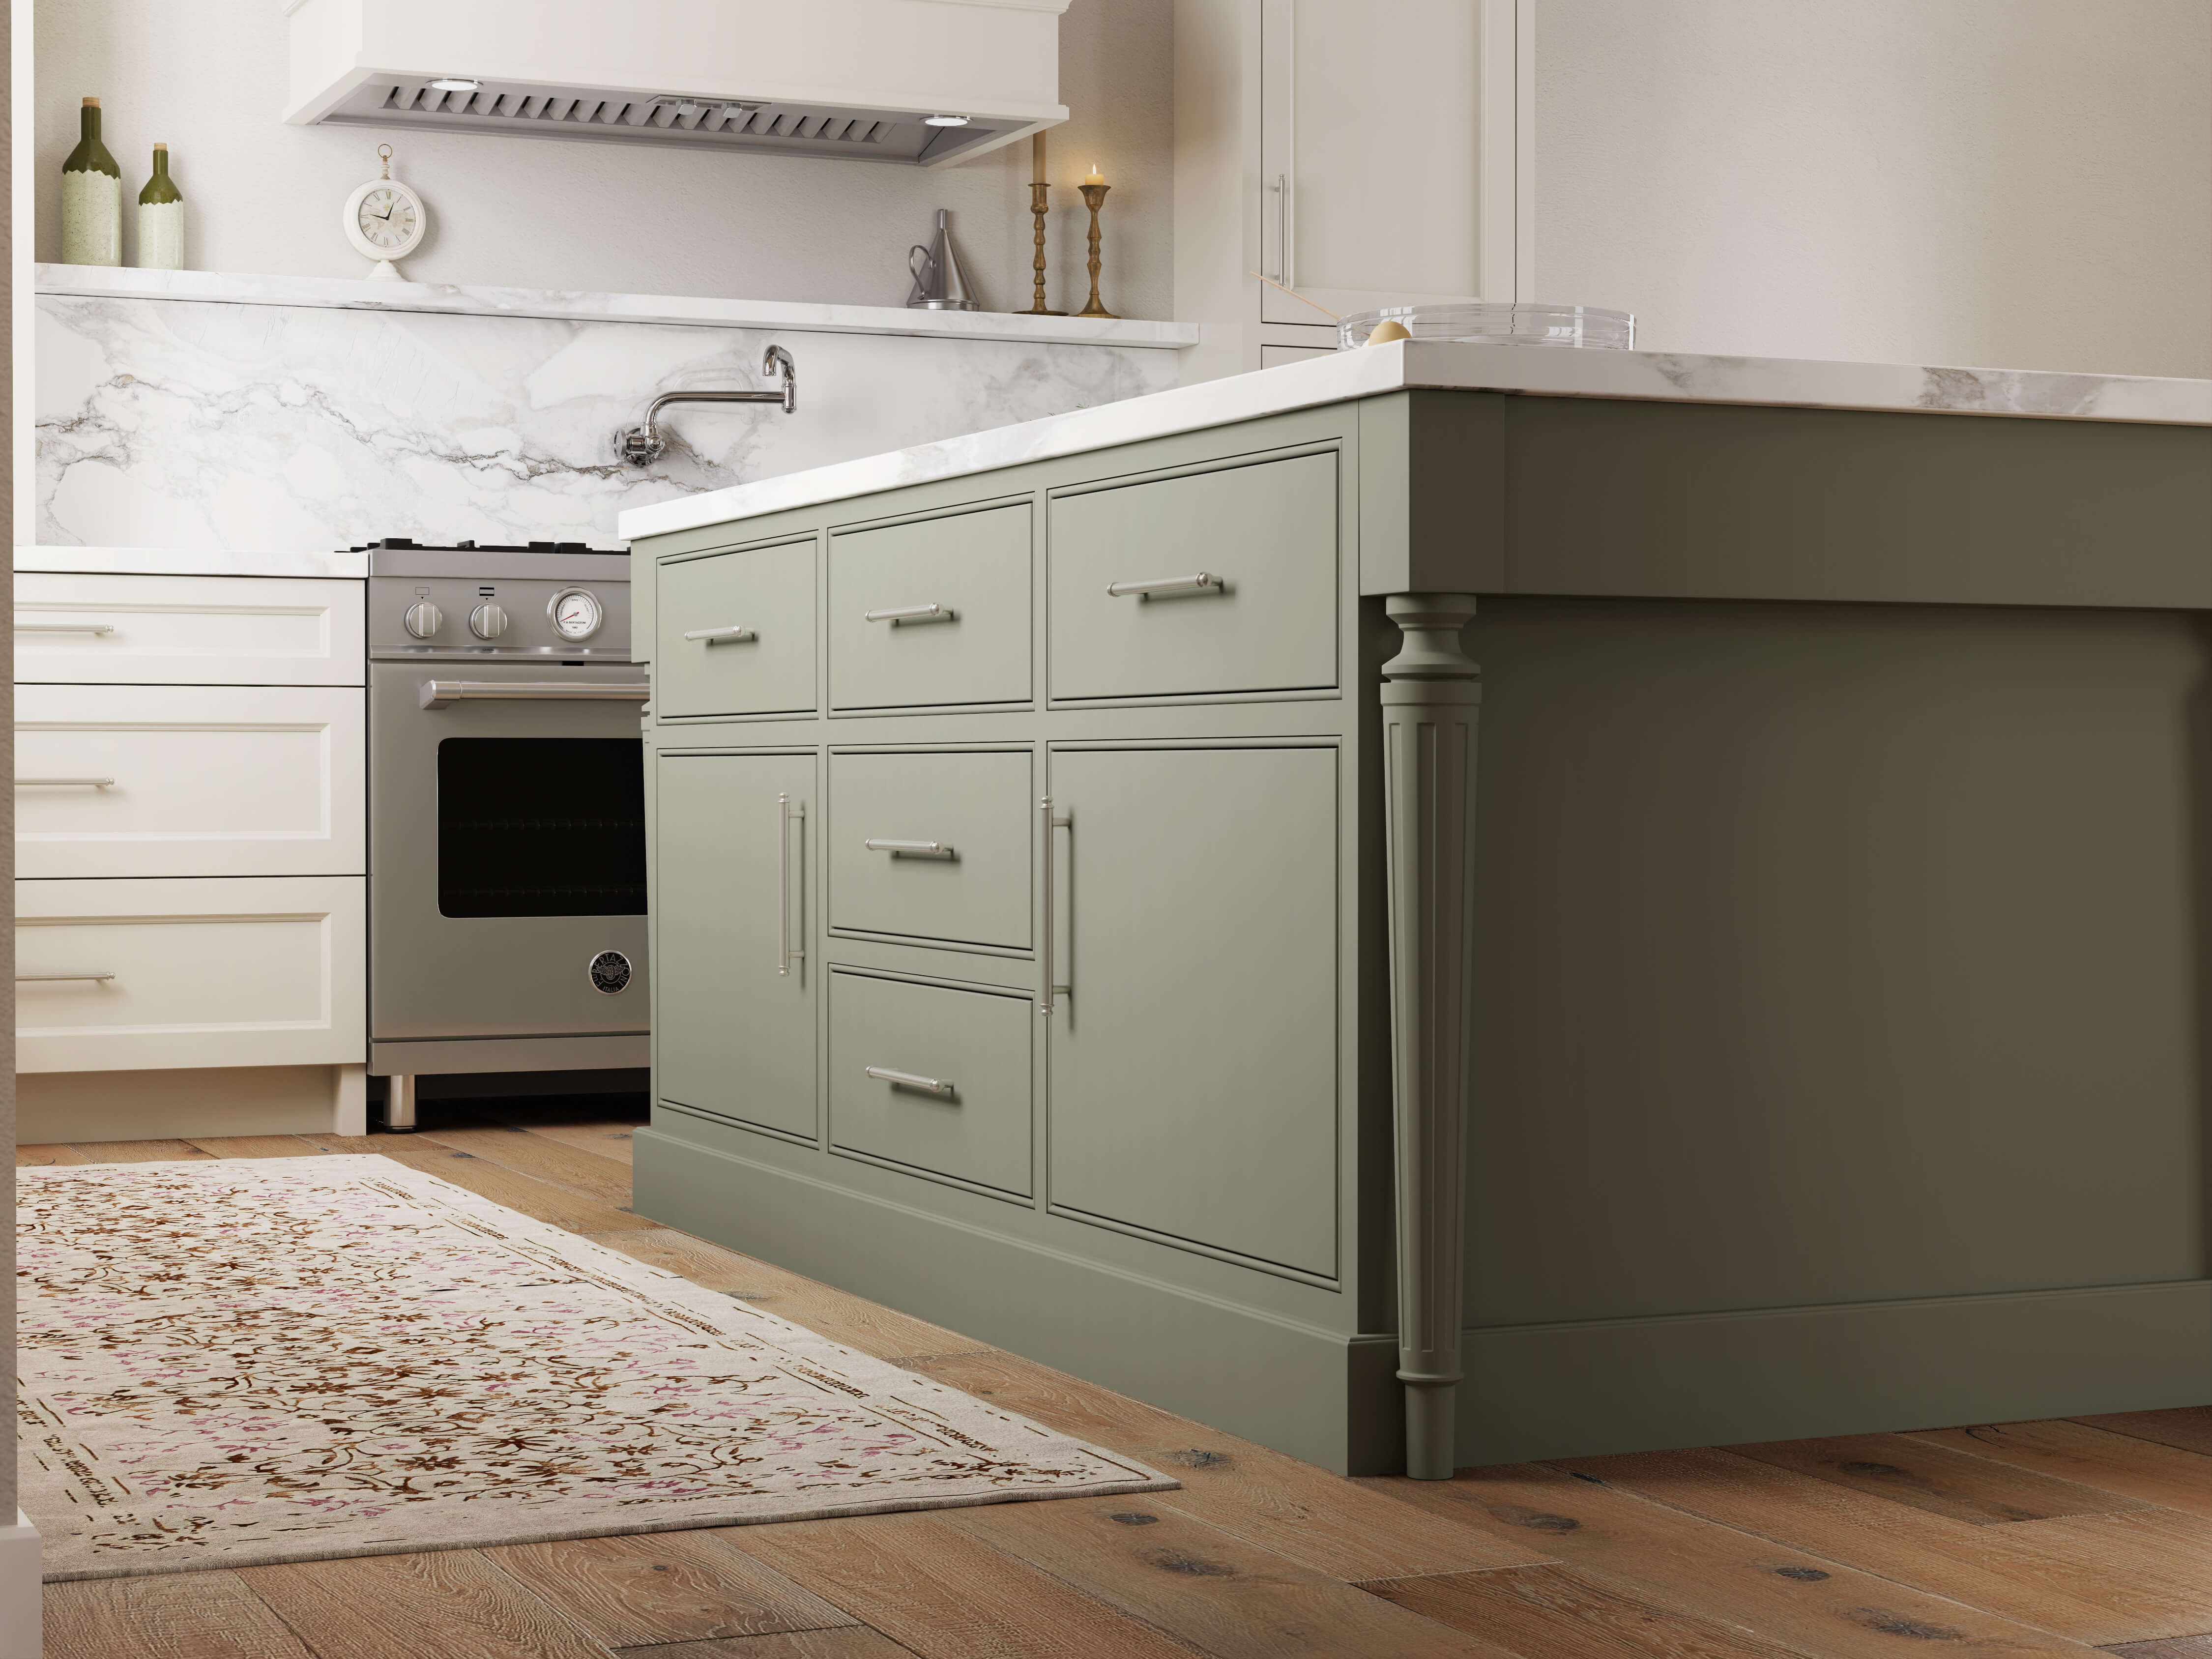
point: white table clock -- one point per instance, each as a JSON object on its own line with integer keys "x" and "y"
{"x": 386, "y": 220}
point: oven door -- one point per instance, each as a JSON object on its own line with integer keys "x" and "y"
{"x": 506, "y": 851}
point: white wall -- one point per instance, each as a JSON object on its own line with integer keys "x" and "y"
{"x": 2022, "y": 183}
{"x": 208, "y": 76}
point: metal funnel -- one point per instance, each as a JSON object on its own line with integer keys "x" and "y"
{"x": 940, "y": 284}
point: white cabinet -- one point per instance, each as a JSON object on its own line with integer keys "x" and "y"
{"x": 189, "y": 780}
{"x": 81, "y": 629}
{"x": 136, "y": 976}
{"x": 191, "y": 823}
{"x": 1365, "y": 155}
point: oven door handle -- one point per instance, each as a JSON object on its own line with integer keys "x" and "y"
{"x": 443, "y": 693}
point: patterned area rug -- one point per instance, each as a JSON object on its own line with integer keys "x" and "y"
{"x": 226, "y": 1363}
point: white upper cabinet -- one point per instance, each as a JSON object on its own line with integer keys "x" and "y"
{"x": 1371, "y": 133}
{"x": 1364, "y": 156}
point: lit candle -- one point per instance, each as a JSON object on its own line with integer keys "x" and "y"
{"x": 1094, "y": 177}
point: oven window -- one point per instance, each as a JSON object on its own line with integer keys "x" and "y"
{"x": 541, "y": 827}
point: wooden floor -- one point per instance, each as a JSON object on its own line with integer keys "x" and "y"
{"x": 2025, "y": 1539}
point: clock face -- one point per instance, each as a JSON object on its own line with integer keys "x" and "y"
{"x": 576, "y": 614}
{"x": 386, "y": 217}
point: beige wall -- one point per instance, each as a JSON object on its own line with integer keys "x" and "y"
{"x": 209, "y": 80}
{"x": 2021, "y": 184}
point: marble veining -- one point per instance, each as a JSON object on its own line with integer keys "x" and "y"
{"x": 1544, "y": 371}
{"x": 199, "y": 424}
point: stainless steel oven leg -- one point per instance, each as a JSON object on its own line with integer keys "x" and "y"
{"x": 399, "y": 1105}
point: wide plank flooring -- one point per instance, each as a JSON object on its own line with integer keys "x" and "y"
{"x": 2023, "y": 1540}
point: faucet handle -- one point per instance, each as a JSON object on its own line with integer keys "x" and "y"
{"x": 641, "y": 446}
{"x": 778, "y": 360}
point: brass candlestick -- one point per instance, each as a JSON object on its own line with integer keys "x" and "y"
{"x": 1039, "y": 206}
{"x": 1094, "y": 196}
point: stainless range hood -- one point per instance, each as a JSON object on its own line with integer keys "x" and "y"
{"x": 918, "y": 81}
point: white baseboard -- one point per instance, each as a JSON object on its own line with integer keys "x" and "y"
{"x": 20, "y": 1590}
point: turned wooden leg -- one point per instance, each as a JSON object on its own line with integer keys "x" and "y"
{"x": 1430, "y": 698}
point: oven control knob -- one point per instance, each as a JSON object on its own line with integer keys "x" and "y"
{"x": 424, "y": 619}
{"x": 487, "y": 620}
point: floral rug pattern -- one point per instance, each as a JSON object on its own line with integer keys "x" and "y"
{"x": 229, "y": 1363}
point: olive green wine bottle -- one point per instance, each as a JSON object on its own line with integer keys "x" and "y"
{"x": 160, "y": 218}
{"x": 92, "y": 199}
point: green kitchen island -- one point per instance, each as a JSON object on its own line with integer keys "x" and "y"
{"x": 1085, "y": 917}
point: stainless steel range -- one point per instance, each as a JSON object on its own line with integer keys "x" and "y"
{"x": 507, "y": 815}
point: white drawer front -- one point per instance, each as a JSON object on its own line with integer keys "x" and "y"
{"x": 237, "y": 972}
{"x": 199, "y": 781}
{"x": 187, "y": 630}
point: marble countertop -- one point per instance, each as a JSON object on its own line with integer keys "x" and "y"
{"x": 187, "y": 561}
{"x": 1543, "y": 371}
{"x": 332, "y": 292}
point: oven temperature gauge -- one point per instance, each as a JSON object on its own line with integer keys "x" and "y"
{"x": 577, "y": 614}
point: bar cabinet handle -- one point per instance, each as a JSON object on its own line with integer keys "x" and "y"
{"x": 786, "y": 812}
{"x": 1048, "y": 986}
{"x": 912, "y": 613}
{"x": 729, "y": 635}
{"x": 28, "y": 979}
{"x": 64, "y": 628}
{"x": 908, "y": 1080}
{"x": 63, "y": 783}
{"x": 924, "y": 849}
{"x": 1166, "y": 585}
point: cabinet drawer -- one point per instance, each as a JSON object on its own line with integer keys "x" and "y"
{"x": 1265, "y": 536}
{"x": 187, "y": 630}
{"x": 974, "y": 1126}
{"x": 133, "y": 975}
{"x": 188, "y": 781}
{"x": 976, "y": 806}
{"x": 737, "y": 633}
{"x": 974, "y": 568}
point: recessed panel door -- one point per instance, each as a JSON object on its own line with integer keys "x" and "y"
{"x": 737, "y": 633}
{"x": 733, "y": 1018}
{"x": 1193, "y": 1057}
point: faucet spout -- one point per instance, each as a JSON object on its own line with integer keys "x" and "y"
{"x": 644, "y": 444}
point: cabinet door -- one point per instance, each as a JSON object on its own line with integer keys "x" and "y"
{"x": 1354, "y": 215}
{"x": 733, "y": 998}
{"x": 1194, "y": 1062}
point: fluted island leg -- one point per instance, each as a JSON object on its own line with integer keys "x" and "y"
{"x": 1430, "y": 699}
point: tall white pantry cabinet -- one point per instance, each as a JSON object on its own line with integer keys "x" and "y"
{"x": 191, "y": 856}
{"x": 1283, "y": 167}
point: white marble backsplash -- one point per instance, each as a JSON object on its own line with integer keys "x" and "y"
{"x": 203, "y": 424}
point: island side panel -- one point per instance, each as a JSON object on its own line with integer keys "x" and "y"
{"x": 1842, "y": 1048}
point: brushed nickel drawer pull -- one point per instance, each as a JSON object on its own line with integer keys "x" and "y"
{"x": 921, "y": 849}
{"x": 912, "y": 613}
{"x": 1198, "y": 583}
{"x": 908, "y": 1080}
{"x": 443, "y": 693}
{"x": 64, "y": 628}
{"x": 721, "y": 635}
{"x": 28, "y": 979}
{"x": 64, "y": 783}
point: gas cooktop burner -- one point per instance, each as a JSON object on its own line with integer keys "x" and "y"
{"x": 394, "y": 544}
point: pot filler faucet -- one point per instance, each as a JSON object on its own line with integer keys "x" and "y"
{"x": 641, "y": 446}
